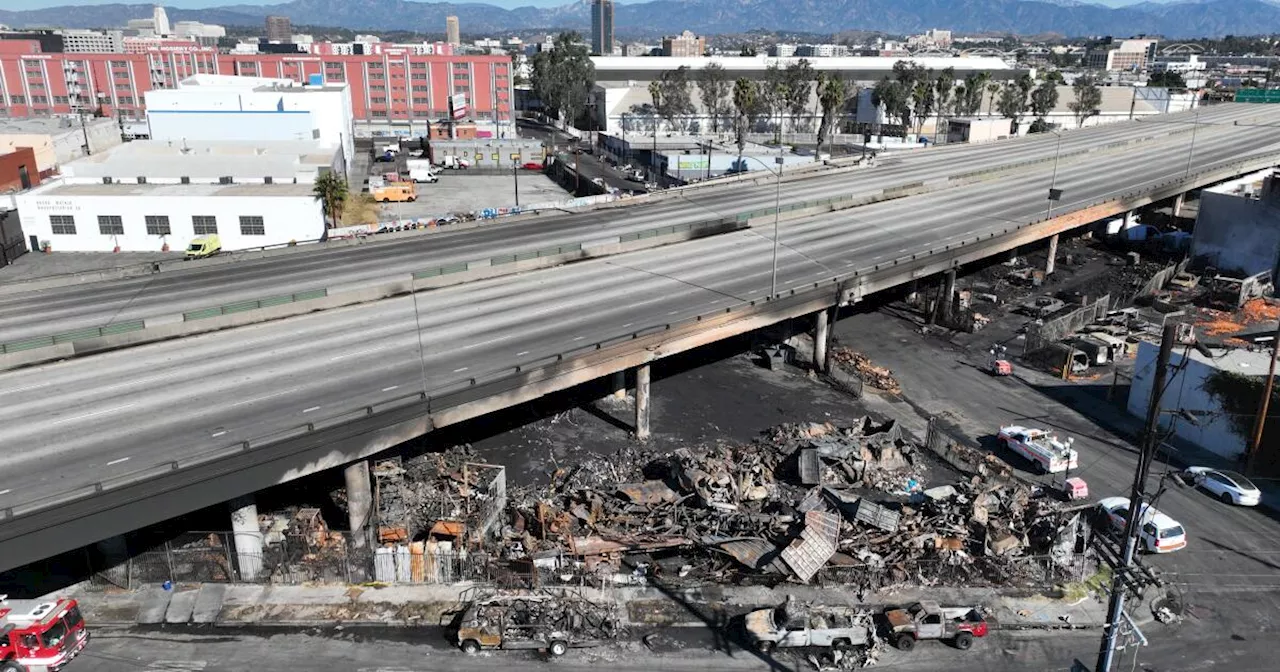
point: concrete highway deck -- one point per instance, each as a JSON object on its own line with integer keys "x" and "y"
{"x": 69, "y": 425}
{"x": 66, "y": 309}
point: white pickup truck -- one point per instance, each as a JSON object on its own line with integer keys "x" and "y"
{"x": 1048, "y": 453}
{"x": 789, "y": 626}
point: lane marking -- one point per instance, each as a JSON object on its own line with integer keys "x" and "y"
{"x": 393, "y": 387}
{"x": 94, "y": 414}
{"x": 673, "y": 312}
{"x": 313, "y": 408}
{"x": 217, "y": 434}
{"x": 578, "y": 338}
{"x": 269, "y": 396}
{"x": 627, "y": 325}
{"x": 521, "y": 354}
{"x": 461, "y": 370}
{"x": 5, "y": 492}
{"x": 115, "y": 462}
{"x": 358, "y": 353}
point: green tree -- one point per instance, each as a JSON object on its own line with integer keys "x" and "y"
{"x": 713, "y": 89}
{"x": 1088, "y": 100}
{"x": 833, "y": 95}
{"x": 992, "y": 90}
{"x": 331, "y": 190}
{"x": 1053, "y": 76}
{"x": 1167, "y": 79}
{"x": 655, "y": 94}
{"x": 773, "y": 96}
{"x": 746, "y": 104}
{"x": 1012, "y": 104}
{"x": 676, "y": 101}
{"x": 1043, "y": 99}
{"x": 892, "y": 96}
{"x": 799, "y": 78}
{"x": 562, "y": 77}
{"x": 922, "y": 100}
{"x": 944, "y": 86}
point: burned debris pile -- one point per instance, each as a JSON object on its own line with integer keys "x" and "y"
{"x": 857, "y": 363}
{"x": 803, "y": 503}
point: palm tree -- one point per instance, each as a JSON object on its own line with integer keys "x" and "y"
{"x": 833, "y": 93}
{"x": 745, "y": 101}
{"x": 331, "y": 190}
{"x": 992, "y": 89}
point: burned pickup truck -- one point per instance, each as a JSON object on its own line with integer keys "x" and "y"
{"x": 550, "y": 621}
{"x": 793, "y": 626}
{"x": 928, "y": 620}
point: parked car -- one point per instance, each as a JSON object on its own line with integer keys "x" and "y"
{"x": 1159, "y": 533}
{"x": 532, "y": 165}
{"x": 1230, "y": 487}
{"x": 792, "y": 626}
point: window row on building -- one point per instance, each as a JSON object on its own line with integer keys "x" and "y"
{"x": 396, "y": 85}
{"x": 157, "y": 225}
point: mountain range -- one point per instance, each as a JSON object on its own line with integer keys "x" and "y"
{"x": 1191, "y": 18}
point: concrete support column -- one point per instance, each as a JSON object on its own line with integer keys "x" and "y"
{"x": 1013, "y": 255}
{"x": 618, "y": 383}
{"x": 820, "y": 336}
{"x": 248, "y": 537}
{"x": 1053, "y": 255}
{"x": 642, "y": 402}
{"x": 948, "y": 293}
{"x": 359, "y": 501}
{"x": 1178, "y": 202}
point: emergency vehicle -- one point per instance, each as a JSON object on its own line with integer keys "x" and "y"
{"x": 1049, "y": 454}
{"x": 40, "y": 636}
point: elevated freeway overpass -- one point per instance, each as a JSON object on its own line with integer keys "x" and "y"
{"x": 36, "y": 317}
{"x": 98, "y": 446}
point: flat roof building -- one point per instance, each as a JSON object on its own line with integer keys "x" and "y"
{"x": 149, "y": 195}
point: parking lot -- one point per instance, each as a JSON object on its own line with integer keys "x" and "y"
{"x": 460, "y": 191}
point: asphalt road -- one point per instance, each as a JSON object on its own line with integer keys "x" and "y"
{"x": 71, "y": 308}
{"x": 1230, "y": 631}
{"x": 71, "y": 424}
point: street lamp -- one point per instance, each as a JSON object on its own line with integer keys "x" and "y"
{"x": 1192, "y": 152}
{"x": 1054, "y": 193}
{"x": 777, "y": 200}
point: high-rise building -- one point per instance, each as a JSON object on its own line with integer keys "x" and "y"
{"x": 452, "y": 32}
{"x": 279, "y": 29}
{"x": 684, "y": 45}
{"x": 161, "y": 21}
{"x": 92, "y": 41}
{"x": 602, "y": 27}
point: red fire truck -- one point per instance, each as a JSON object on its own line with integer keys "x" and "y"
{"x": 40, "y": 636}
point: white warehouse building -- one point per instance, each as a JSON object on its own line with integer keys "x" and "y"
{"x": 155, "y": 195}
{"x": 227, "y": 107}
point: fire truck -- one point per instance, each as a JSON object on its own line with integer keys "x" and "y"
{"x": 1048, "y": 453}
{"x": 40, "y": 636}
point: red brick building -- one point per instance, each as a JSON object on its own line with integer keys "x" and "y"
{"x": 394, "y": 85}
{"x": 18, "y": 170}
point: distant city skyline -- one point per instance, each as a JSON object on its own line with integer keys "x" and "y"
{"x": 18, "y": 5}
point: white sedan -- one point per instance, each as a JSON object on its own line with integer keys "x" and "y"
{"x": 1230, "y": 487}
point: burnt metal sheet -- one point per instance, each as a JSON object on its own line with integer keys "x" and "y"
{"x": 815, "y": 545}
{"x": 809, "y": 466}
{"x": 751, "y": 552}
{"x": 649, "y": 492}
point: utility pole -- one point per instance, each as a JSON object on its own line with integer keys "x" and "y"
{"x": 515, "y": 174}
{"x": 1150, "y": 442}
{"x": 1251, "y": 457}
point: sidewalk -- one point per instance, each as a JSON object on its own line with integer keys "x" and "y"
{"x": 243, "y": 605}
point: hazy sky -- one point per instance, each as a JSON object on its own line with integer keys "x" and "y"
{"x": 188, "y": 4}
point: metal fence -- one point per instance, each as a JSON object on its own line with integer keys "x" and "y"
{"x": 1040, "y": 336}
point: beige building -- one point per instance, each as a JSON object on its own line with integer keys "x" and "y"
{"x": 1123, "y": 55}
{"x": 452, "y": 31}
{"x": 279, "y": 29}
{"x": 684, "y": 45}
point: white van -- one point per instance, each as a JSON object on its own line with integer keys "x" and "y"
{"x": 1159, "y": 533}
